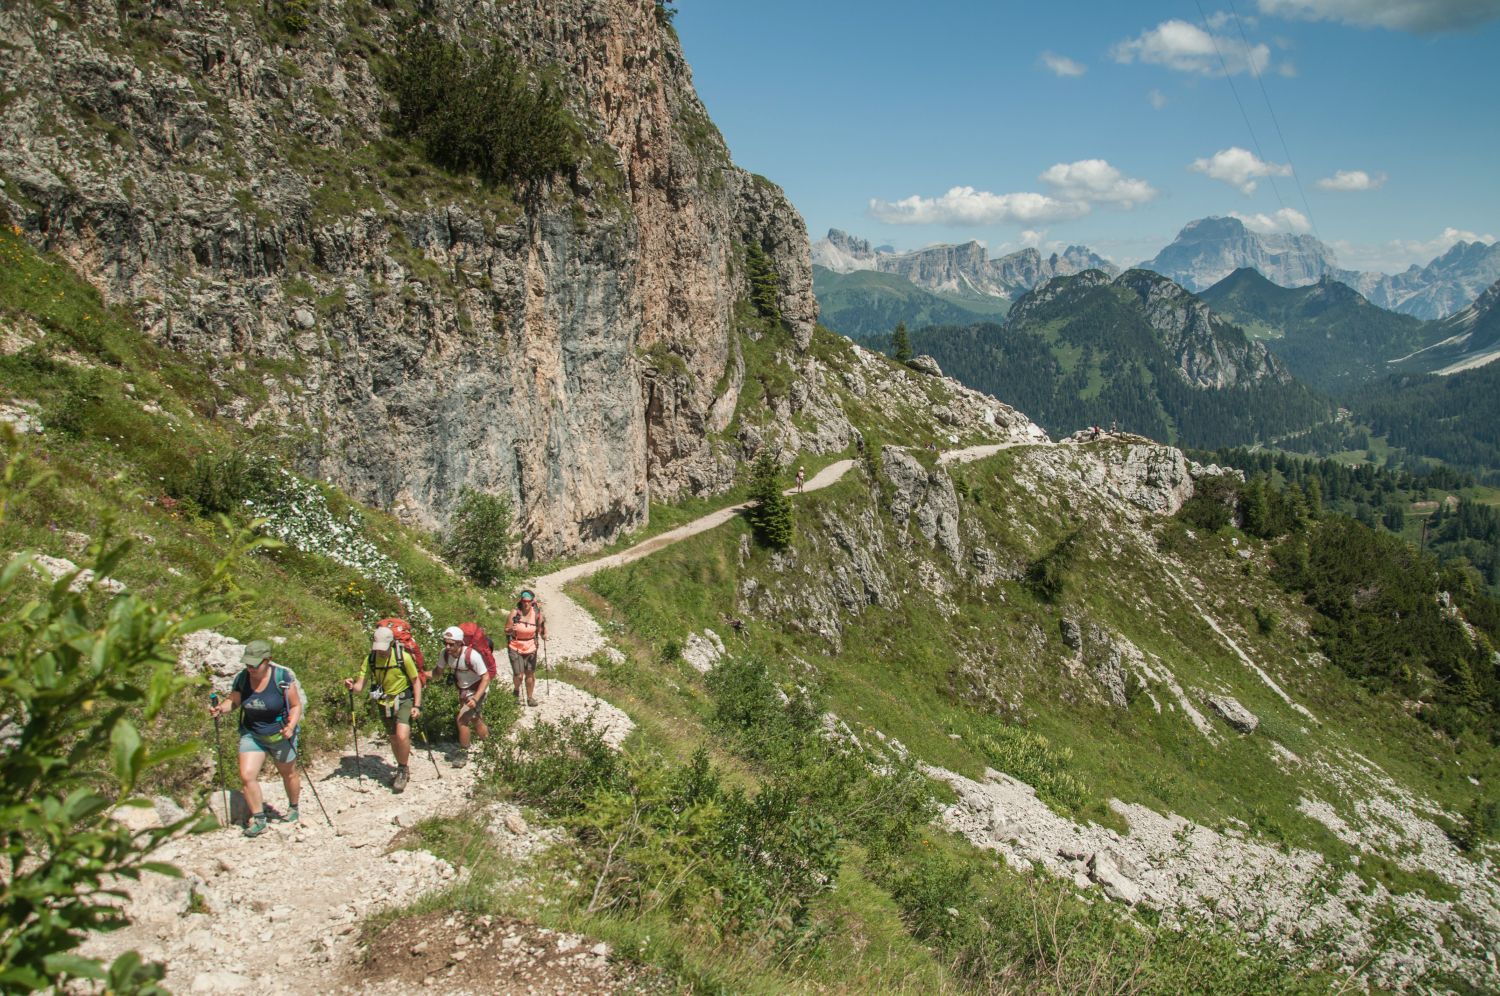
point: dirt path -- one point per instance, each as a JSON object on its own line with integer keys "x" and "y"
{"x": 307, "y": 885}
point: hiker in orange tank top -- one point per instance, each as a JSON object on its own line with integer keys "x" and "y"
{"x": 522, "y": 628}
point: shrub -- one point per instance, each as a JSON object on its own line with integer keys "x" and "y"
{"x": 217, "y": 484}
{"x": 770, "y": 514}
{"x": 480, "y": 112}
{"x": 479, "y": 538}
{"x": 901, "y": 343}
{"x": 765, "y": 282}
{"x": 559, "y": 767}
{"x": 75, "y": 681}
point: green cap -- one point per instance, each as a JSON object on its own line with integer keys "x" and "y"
{"x": 256, "y": 652}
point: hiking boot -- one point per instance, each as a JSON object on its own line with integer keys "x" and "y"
{"x": 256, "y": 826}
{"x": 530, "y": 701}
{"x": 515, "y": 693}
{"x": 461, "y": 760}
{"x": 398, "y": 784}
{"x": 291, "y": 815}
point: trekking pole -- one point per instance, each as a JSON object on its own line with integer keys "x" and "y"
{"x": 314, "y": 786}
{"x": 544, "y": 669}
{"x": 425, "y": 743}
{"x": 359, "y": 764}
{"x": 213, "y": 700}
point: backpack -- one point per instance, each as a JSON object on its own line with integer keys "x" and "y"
{"x": 402, "y": 631}
{"x": 475, "y": 639}
{"x": 285, "y": 678}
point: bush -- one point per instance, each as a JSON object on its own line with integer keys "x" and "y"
{"x": 479, "y": 538}
{"x": 218, "y": 485}
{"x": 76, "y": 683}
{"x": 481, "y": 113}
{"x": 770, "y": 513}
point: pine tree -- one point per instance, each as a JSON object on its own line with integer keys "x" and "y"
{"x": 901, "y": 343}
{"x": 771, "y": 514}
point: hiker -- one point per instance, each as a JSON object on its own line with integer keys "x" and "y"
{"x": 1113, "y": 427}
{"x": 522, "y": 627}
{"x": 472, "y": 672}
{"x": 396, "y": 688}
{"x": 270, "y": 705}
{"x": 801, "y": 476}
{"x": 1096, "y": 431}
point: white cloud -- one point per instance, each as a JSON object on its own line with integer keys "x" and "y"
{"x": 1352, "y": 180}
{"x": 1061, "y": 65}
{"x": 1398, "y": 254}
{"x": 967, "y": 206}
{"x": 1077, "y": 187}
{"x": 1097, "y": 182}
{"x": 1285, "y": 220}
{"x": 1157, "y": 99}
{"x": 1188, "y": 48}
{"x": 1239, "y": 168}
{"x": 1416, "y": 16}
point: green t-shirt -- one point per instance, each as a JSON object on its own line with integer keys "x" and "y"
{"x": 393, "y": 675}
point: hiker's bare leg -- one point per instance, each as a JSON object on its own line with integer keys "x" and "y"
{"x": 290, "y": 780}
{"x": 480, "y": 730}
{"x": 463, "y": 729}
{"x": 250, "y": 763}
{"x": 401, "y": 744}
{"x": 531, "y": 684}
{"x": 516, "y": 683}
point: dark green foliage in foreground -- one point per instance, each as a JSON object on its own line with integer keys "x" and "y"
{"x": 479, "y": 538}
{"x": 79, "y": 680}
{"x": 770, "y": 514}
{"x": 481, "y": 112}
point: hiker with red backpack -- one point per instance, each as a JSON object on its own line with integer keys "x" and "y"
{"x": 522, "y": 627}
{"x": 396, "y": 687}
{"x": 269, "y": 698}
{"x": 468, "y": 654}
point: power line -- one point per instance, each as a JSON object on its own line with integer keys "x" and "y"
{"x": 1284, "y": 149}
{"x": 1235, "y": 90}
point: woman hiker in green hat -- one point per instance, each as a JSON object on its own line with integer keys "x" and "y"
{"x": 269, "y": 713}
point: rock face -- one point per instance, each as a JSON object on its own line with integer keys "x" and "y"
{"x": 1471, "y": 339}
{"x": 1210, "y": 353}
{"x": 963, "y": 269}
{"x": 924, "y": 499}
{"x": 235, "y": 181}
{"x": 1210, "y": 249}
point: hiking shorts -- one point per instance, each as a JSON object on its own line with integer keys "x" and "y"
{"x": 400, "y": 713}
{"x": 282, "y": 751}
{"x": 521, "y": 663}
{"x": 471, "y": 713}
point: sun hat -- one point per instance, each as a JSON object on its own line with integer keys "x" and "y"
{"x": 383, "y": 639}
{"x": 255, "y": 652}
{"x": 527, "y": 596}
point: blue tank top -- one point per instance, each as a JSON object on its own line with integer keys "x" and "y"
{"x": 261, "y": 713}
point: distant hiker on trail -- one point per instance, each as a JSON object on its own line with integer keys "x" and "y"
{"x": 270, "y": 703}
{"x": 801, "y": 476}
{"x": 522, "y": 627}
{"x": 1096, "y": 431}
{"x": 1113, "y": 427}
{"x": 396, "y": 689}
{"x": 472, "y": 671}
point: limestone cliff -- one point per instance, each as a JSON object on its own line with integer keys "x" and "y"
{"x": 230, "y": 171}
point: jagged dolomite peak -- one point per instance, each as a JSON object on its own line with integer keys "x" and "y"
{"x": 236, "y": 184}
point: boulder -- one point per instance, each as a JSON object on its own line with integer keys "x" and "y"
{"x": 1072, "y": 634}
{"x": 925, "y": 364}
{"x": 1233, "y": 713}
{"x": 1112, "y": 880}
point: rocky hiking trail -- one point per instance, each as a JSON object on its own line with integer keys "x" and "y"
{"x": 282, "y": 913}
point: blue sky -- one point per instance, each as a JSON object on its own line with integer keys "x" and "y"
{"x": 1113, "y": 124}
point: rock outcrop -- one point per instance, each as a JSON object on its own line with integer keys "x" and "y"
{"x": 234, "y": 179}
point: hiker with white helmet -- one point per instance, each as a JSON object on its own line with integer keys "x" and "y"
{"x": 473, "y": 670}
{"x": 270, "y": 703}
{"x": 396, "y": 687}
{"x": 522, "y": 627}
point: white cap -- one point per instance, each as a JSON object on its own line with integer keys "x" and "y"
{"x": 453, "y": 633}
{"x": 383, "y": 639}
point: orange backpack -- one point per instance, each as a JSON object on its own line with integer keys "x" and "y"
{"x": 402, "y": 631}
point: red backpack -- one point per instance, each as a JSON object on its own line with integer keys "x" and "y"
{"x": 474, "y": 639}
{"x": 402, "y": 631}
